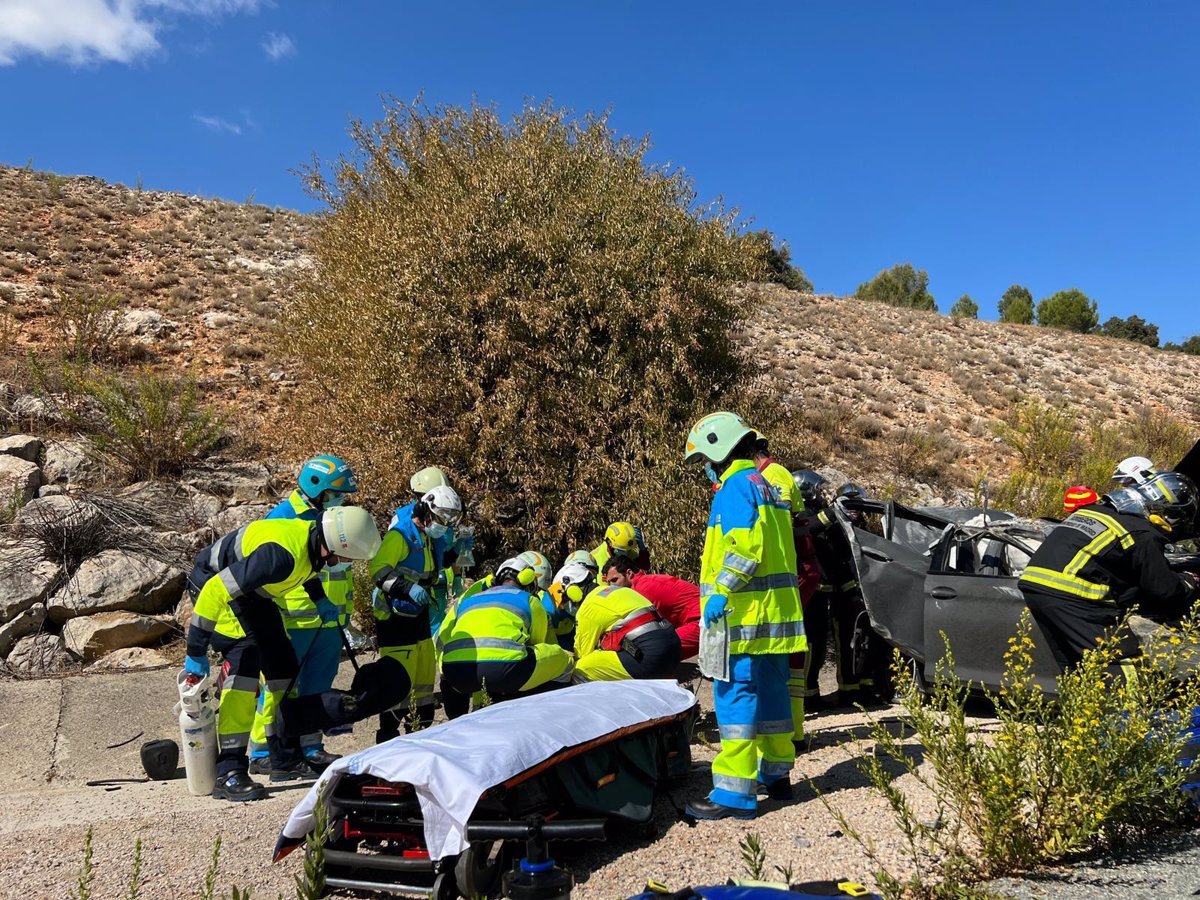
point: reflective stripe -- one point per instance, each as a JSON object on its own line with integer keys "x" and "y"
{"x": 1112, "y": 531}
{"x": 656, "y": 625}
{"x": 234, "y": 741}
{"x": 198, "y": 621}
{"x": 278, "y": 685}
{"x": 246, "y": 683}
{"x": 214, "y": 556}
{"x": 775, "y": 726}
{"x": 769, "y": 582}
{"x": 737, "y": 732}
{"x": 1067, "y": 584}
{"x": 337, "y": 575}
{"x": 773, "y": 771}
{"x": 231, "y": 583}
{"x": 765, "y": 630}
{"x": 739, "y": 563}
{"x": 849, "y": 585}
{"x": 484, "y": 643}
{"x": 730, "y": 580}
{"x": 735, "y": 785}
{"x": 707, "y": 590}
{"x": 1121, "y": 530}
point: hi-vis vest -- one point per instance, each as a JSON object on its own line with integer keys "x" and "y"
{"x": 1067, "y": 562}
{"x": 299, "y": 610}
{"x": 495, "y": 625}
{"x": 750, "y": 556}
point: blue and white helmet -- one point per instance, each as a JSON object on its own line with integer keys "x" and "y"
{"x": 326, "y": 473}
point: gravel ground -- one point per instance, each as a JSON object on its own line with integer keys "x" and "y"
{"x": 55, "y": 737}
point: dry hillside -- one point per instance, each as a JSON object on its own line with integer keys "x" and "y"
{"x": 887, "y": 395}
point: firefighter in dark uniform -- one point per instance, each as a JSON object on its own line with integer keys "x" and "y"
{"x": 1105, "y": 558}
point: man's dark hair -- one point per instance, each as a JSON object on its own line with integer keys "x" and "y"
{"x": 622, "y": 564}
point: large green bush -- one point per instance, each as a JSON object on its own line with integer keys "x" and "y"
{"x": 1070, "y": 310}
{"x": 529, "y": 304}
{"x": 1191, "y": 346}
{"x": 964, "y": 308}
{"x": 901, "y": 285}
{"x": 1133, "y": 328}
{"x": 1016, "y": 306}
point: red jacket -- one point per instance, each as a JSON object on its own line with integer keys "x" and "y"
{"x": 676, "y": 600}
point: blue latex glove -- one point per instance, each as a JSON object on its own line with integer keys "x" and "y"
{"x": 419, "y": 595}
{"x": 418, "y": 599}
{"x": 327, "y": 610}
{"x": 196, "y": 665}
{"x": 715, "y": 607}
{"x": 465, "y": 542}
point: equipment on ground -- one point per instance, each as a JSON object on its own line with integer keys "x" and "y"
{"x": 536, "y": 876}
{"x": 197, "y": 712}
{"x": 160, "y": 759}
{"x": 350, "y": 532}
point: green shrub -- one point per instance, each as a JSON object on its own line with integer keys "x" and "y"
{"x": 88, "y": 327}
{"x": 1016, "y": 306}
{"x": 1070, "y": 310}
{"x": 964, "y": 308}
{"x": 778, "y": 260}
{"x": 530, "y": 305}
{"x": 901, "y": 285}
{"x": 1190, "y": 346}
{"x": 1056, "y": 778}
{"x": 152, "y": 425}
{"x": 1134, "y": 328}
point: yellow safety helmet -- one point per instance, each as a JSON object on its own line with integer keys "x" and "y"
{"x": 622, "y": 539}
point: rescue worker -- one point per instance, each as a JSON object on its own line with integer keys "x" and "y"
{"x": 1133, "y": 470}
{"x": 676, "y": 600}
{"x": 453, "y": 552}
{"x": 404, "y": 572}
{"x": 584, "y": 558}
{"x": 251, "y": 572}
{"x": 622, "y": 539}
{"x": 498, "y": 641}
{"x": 775, "y": 472}
{"x": 1103, "y": 559}
{"x": 619, "y": 634}
{"x": 748, "y": 578}
{"x": 322, "y": 483}
{"x": 1077, "y": 497}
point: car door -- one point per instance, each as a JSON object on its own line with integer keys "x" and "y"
{"x": 978, "y": 613}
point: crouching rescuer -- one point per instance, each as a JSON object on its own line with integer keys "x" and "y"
{"x": 618, "y": 632}
{"x": 242, "y": 583}
{"x": 748, "y": 585}
{"x": 499, "y": 641}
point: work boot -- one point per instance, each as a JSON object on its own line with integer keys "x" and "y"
{"x": 294, "y": 770}
{"x": 260, "y": 765}
{"x": 239, "y": 787}
{"x": 780, "y": 789}
{"x": 803, "y": 745}
{"x": 320, "y": 759}
{"x": 709, "y": 810}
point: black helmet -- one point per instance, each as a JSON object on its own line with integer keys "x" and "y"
{"x": 160, "y": 758}
{"x": 809, "y": 484}
{"x": 1171, "y": 497}
{"x": 852, "y": 491}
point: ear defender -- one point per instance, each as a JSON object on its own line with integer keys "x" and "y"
{"x": 575, "y": 593}
{"x": 526, "y": 577}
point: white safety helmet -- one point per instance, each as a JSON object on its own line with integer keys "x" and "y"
{"x": 350, "y": 532}
{"x": 427, "y": 479}
{"x": 576, "y": 580}
{"x": 519, "y": 569}
{"x": 1134, "y": 470}
{"x": 583, "y": 558}
{"x": 540, "y": 566}
{"x": 443, "y": 505}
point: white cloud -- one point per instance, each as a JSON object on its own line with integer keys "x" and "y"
{"x": 91, "y": 31}
{"x": 216, "y": 123}
{"x": 277, "y": 46}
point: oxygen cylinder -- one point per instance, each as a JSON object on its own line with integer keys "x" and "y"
{"x": 198, "y": 732}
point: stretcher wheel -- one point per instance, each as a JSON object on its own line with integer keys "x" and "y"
{"x": 444, "y": 887}
{"x": 478, "y": 873}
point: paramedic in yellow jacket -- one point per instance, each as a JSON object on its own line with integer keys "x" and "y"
{"x": 618, "y": 632}
{"x": 498, "y": 640}
{"x": 747, "y": 582}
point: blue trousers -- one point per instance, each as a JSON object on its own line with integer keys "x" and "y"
{"x": 323, "y": 648}
{"x": 754, "y": 714}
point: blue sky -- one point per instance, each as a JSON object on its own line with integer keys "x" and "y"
{"x": 1054, "y": 145}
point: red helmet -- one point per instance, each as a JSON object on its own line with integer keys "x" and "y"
{"x": 1078, "y": 496}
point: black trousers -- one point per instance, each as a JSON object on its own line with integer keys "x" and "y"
{"x": 1072, "y": 627}
{"x": 502, "y": 680}
{"x": 653, "y": 654}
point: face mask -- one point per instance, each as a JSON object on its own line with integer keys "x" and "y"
{"x": 436, "y": 530}
{"x": 333, "y": 499}
{"x": 711, "y": 473}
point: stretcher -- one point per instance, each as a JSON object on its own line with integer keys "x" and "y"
{"x": 399, "y": 813}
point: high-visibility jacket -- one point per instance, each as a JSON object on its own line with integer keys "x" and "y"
{"x": 1111, "y": 558}
{"x": 263, "y": 562}
{"x": 299, "y": 611}
{"x": 607, "y": 611}
{"x": 781, "y": 478}
{"x": 750, "y": 557}
{"x": 498, "y": 624}
{"x": 404, "y": 558}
